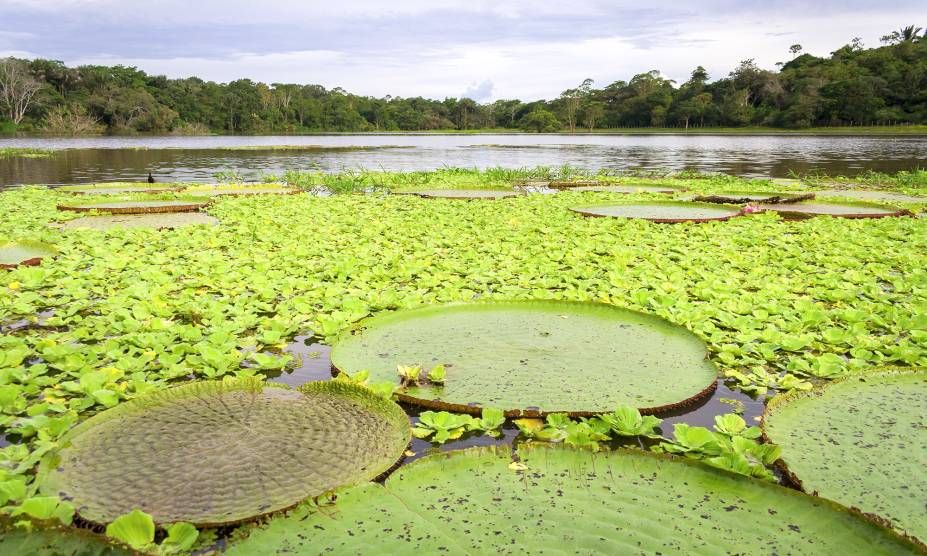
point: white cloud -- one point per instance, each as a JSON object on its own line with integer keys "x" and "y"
{"x": 488, "y": 49}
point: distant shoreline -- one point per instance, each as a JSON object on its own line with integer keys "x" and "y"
{"x": 862, "y": 131}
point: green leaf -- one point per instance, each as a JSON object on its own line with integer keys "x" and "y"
{"x": 45, "y": 508}
{"x": 180, "y": 538}
{"x": 436, "y": 374}
{"x": 135, "y": 528}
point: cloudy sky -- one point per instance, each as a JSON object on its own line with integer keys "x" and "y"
{"x": 483, "y": 49}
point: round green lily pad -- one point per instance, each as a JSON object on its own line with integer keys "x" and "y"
{"x": 137, "y": 207}
{"x": 159, "y": 220}
{"x": 629, "y": 188}
{"x": 560, "y": 500}
{"x": 44, "y": 539}
{"x": 214, "y": 453}
{"x": 534, "y": 357}
{"x": 662, "y": 211}
{"x": 868, "y": 195}
{"x": 466, "y": 194}
{"x": 115, "y": 190}
{"x": 744, "y": 197}
{"x": 24, "y": 252}
{"x": 240, "y": 191}
{"x": 843, "y": 210}
{"x": 861, "y": 441}
{"x": 570, "y": 184}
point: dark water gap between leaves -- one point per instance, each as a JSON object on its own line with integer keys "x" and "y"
{"x": 314, "y": 363}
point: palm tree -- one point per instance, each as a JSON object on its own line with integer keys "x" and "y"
{"x": 905, "y": 34}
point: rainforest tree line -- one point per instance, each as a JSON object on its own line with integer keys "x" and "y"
{"x": 853, "y": 86}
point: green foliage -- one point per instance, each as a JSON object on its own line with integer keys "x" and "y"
{"x": 24, "y": 152}
{"x": 135, "y": 528}
{"x": 443, "y": 425}
{"x": 852, "y": 86}
{"x": 46, "y": 508}
{"x": 628, "y": 421}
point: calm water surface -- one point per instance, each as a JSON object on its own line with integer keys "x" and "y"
{"x": 99, "y": 159}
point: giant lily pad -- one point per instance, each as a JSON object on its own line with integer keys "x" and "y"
{"x": 136, "y": 207}
{"x": 559, "y": 500}
{"x": 630, "y": 188}
{"x": 662, "y": 211}
{"x": 24, "y": 252}
{"x": 534, "y": 357}
{"x": 43, "y": 539}
{"x": 465, "y": 194}
{"x": 570, "y": 184}
{"x": 116, "y": 189}
{"x": 744, "y": 197}
{"x": 869, "y": 195}
{"x": 234, "y": 191}
{"x": 212, "y": 453}
{"x": 843, "y": 210}
{"x": 160, "y": 221}
{"x": 861, "y": 441}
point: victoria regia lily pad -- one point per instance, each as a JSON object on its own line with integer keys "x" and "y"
{"x": 460, "y": 193}
{"x": 158, "y": 220}
{"x": 869, "y": 195}
{"x": 662, "y": 211}
{"x": 45, "y": 539}
{"x": 744, "y": 197}
{"x": 861, "y": 441}
{"x": 843, "y": 210}
{"x": 137, "y": 207}
{"x": 558, "y": 500}
{"x": 533, "y": 357}
{"x": 219, "y": 452}
{"x": 24, "y": 252}
{"x": 629, "y": 188}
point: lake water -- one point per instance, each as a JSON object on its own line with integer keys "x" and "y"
{"x": 100, "y": 159}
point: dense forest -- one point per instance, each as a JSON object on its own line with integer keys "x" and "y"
{"x": 853, "y": 86}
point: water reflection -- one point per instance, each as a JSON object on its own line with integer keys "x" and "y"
{"x": 196, "y": 159}
{"x": 315, "y": 364}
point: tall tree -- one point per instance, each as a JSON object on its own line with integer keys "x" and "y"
{"x": 18, "y": 88}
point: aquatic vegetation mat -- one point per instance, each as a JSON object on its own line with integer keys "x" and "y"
{"x": 744, "y": 197}
{"x": 213, "y": 453}
{"x": 842, "y": 210}
{"x": 662, "y": 211}
{"x": 533, "y": 357}
{"x": 477, "y": 501}
{"x": 459, "y": 193}
{"x": 158, "y": 220}
{"x": 630, "y": 188}
{"x": 136, "y": 207}
{"x": 24, "y": 252}
{"x": 861, "y": 441}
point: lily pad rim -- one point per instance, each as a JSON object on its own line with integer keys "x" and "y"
{"x": 34, "y": 261}
{"x": 526, "y": 413}
{"x": 191, "y": 206}
{"x": 644, "y": 188}
{"x": 781, "y": 400}
{"x": 63, "y": 224}
{"x": 890, "y": 211}
{"x": 8, "y": 523}
{"x": 226, "y": 385}
{"x": 583, "y": 210}
{"x": 431, "y": 193}
{"x": 782, "y": 197}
